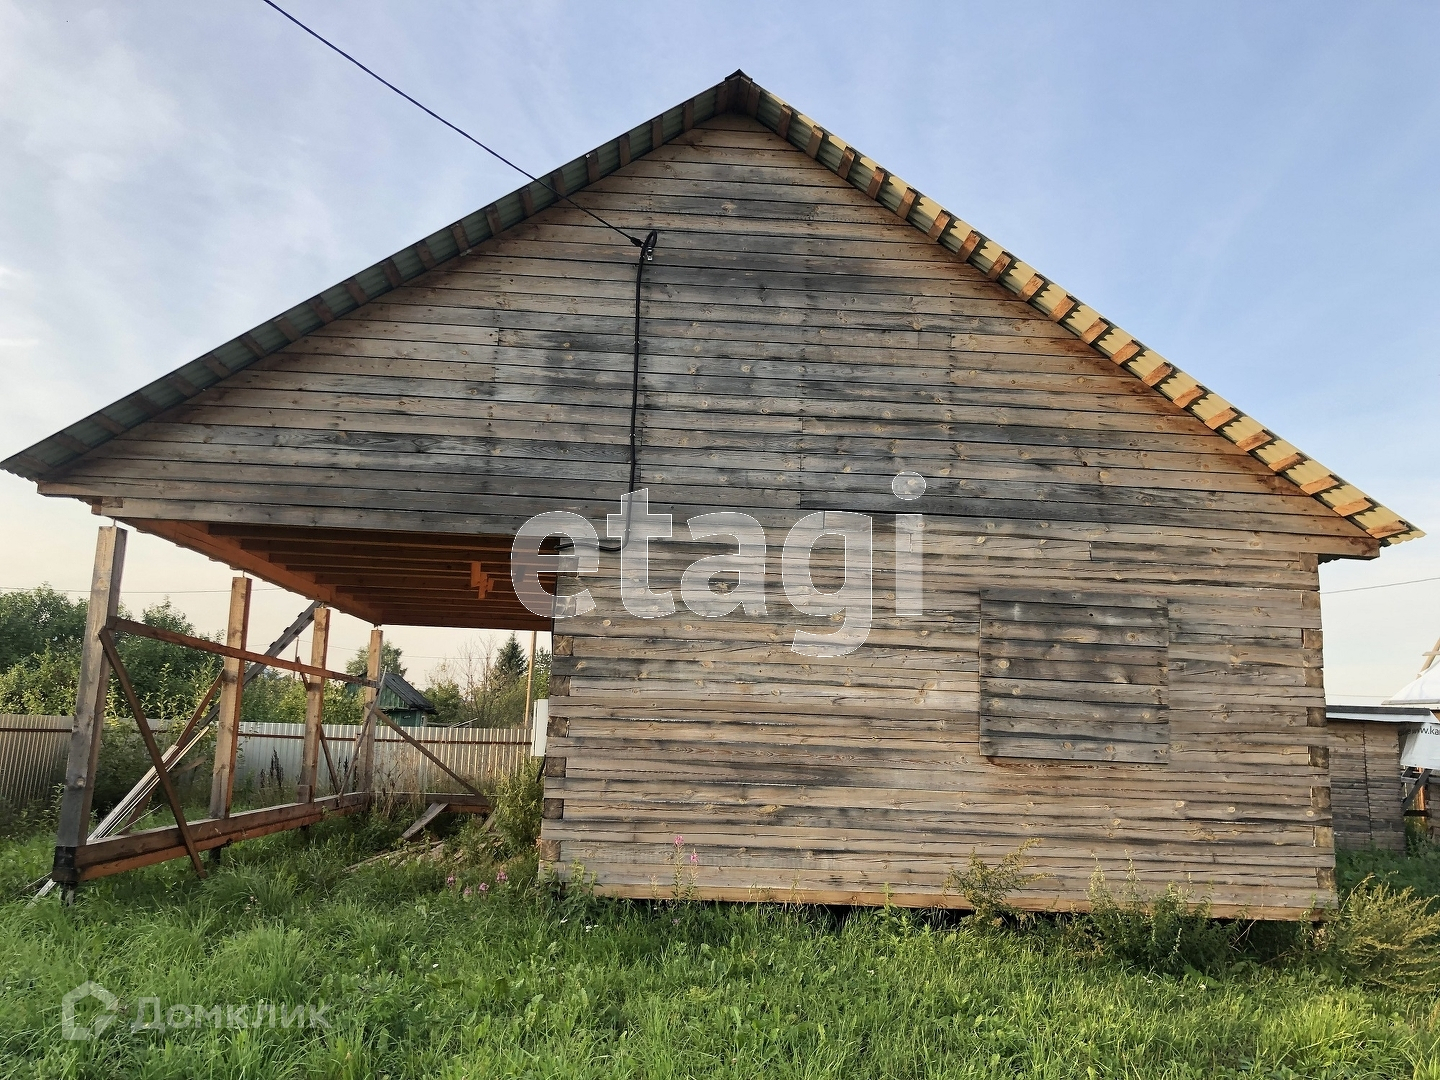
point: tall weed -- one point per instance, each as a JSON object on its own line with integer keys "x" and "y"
{"x": 1385, "y": 937}
{"x": 987, "y": 888}
{"x": 519, "y": 800}
{"x": 1164, "y": 933}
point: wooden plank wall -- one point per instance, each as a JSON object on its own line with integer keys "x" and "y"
{"x": 1365, "y": 785}
{"x": 802, "y": 345}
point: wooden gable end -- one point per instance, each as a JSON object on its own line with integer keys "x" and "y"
{"x": 801, "y": 344}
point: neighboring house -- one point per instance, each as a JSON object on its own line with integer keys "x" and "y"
{"x": 1366, "y": 775}
{"x": 404, "y": 704}
{"x": 1093, "y": 618}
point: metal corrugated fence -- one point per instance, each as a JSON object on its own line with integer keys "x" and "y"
{"x": 32, "y": 757}
{"x": 33, "y": 749}
{"x": 270, "y": 755}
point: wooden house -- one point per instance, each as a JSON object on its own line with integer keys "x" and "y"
{"x": 1097, "y": 629}
{"x": 403, "y": 703}
{"x": 1367, "y": 791}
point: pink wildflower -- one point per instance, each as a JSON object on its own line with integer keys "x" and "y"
{"x": 483, "y": 887}
{"x": 679, "y": 841}
{"x": 501, "y": 876}
{"x": 694, "y": 858}
{"x": 466, "y": 893}
{"x": 450, "y": 880}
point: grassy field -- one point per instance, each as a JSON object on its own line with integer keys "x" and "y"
{"x": 421, "y": 975}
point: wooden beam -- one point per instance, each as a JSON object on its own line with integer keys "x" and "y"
{"x": 1355, "y": 506}
{"x": 126, "y": 626}
{"x": 1127, "y": 352}
{"x": 107, "y": 642}
{"x": 1063, "y": 308}
{"x": 419, "y": 746}
{"x": 212, "y": 541}
{"x": 92, "y": 694}
{"x": 817, "y": 136}
{"x": 1186, "y": 398}
{"x": 1255, "y": 441}
{"x": 120, "y": 853}
{"x": 227, "y": 736}
{"x": 907, "y": 203}
{"x": 314, "y": 709}
{"x": 1031, "y": 287}
{"x": 783, "y": 127}
{"x": 999, "y": 266}
{"x": 1158, "y": 374}
{"x": 365, "y": 774}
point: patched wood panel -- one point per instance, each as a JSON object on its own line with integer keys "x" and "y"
{"x": 1074, "y": 676}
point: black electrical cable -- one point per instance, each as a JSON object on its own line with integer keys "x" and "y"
{"x": 459, "y": 131}
{"x": 647, "y": 254}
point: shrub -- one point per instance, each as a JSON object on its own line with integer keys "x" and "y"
{"x": 1164, "y": 933}
{"x": 518, "y": 802}
{"x": 1386, "y": 938}
{"x": 986, "y": 888}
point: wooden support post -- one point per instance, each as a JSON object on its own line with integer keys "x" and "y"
{"x": 314, "y": 709}
{"x": 227, "y": 736}
{"x": 365, "y": 772}
{"x": 89, "y": 706}
{"x": 530, "y": 680}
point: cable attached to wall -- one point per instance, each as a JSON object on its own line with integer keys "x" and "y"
{"x": 646, "y": 246}
{"x": 647, "y": 254}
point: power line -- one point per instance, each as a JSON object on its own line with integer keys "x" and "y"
{"x": 458, "y": 130}
{"x": 1387, "y": 585}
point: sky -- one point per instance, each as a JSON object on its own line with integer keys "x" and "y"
{"x": 1248, "y": 188}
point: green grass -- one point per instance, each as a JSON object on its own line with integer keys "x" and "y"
{"x": 520, "y": 981}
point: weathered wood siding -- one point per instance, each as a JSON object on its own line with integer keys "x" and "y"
{"x": 801, "y": 346}
{"x": 1365, "y": 786}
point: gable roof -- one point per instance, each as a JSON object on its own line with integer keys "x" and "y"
{"x": 738, "y": 93}
{"x": 397, "y": 695}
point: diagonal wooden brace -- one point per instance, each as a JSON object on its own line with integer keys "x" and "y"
{"x": 107, "y": 642}
{"x": 418, "y": 746}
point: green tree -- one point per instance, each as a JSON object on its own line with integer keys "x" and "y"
{"x": 542, "y": 675}
{"x": 510, "y": 663}
{"x": 451, "y": 708}
{"x": 389, "y": 660}
{"x": 168, "y": 679}
{"x": 43, "y": 685}
{"x": 37, "y": 620}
